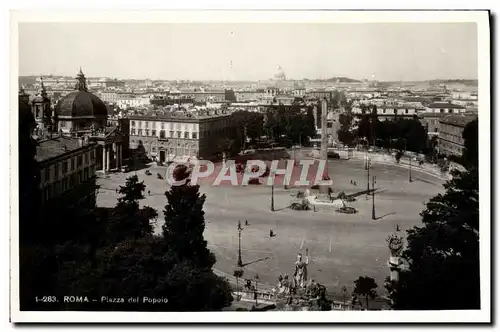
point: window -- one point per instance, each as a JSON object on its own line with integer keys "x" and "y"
{"x": 133, "y": 123}
{"x": 79, "y": 161}
{"x": 186, "y": 134}
{"x": 140, "y": 124}
{"x": 85, "y": 158}
{"x": 193, "y": 135}
{"x": 147, "y": 132}
{"x": 47, "y": 174}
{"x": 85, "y": 173}
{"x": 72, "y": 164}
{"x": 65, "y": 167}
{"x": 153, "y": 149}
{"x": 441, "y": 110}
{"x": 147, "y": 124}
{"x": 92, "y": 155}
{"x": 179, "y": 134}
{"x": 133, "y": 131}
{"x": 139, "y": 132}
{"x": 162, "y": 133}
{"x": 171, "y": 133}
{"x": 56, "y": 170}
{"x": 153, "y": 132}
{"x": 162, "y": 125}
{"x": 329, "y": 125}
{"x": 406, "y": 111}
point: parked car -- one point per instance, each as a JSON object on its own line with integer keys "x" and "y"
{"x": 125, "y": 169}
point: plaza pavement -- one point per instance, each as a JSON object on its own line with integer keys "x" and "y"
{"x": 341, "y": 247}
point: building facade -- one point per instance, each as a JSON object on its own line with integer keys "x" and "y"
{"x": 165, "y": 137}
{"x": 450, "y": 140}
{"x": 67, "y": 172}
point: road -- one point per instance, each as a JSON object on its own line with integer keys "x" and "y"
{"x": 341, "y": 247}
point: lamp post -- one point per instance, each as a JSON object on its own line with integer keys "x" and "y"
{"x": 272, "y": 191}
{"x": 409, "y": 175}
{"x": 373, "y": 197}
{"x": 256, "y": 289}
{"x": 367, "y": 175}
{"x": 240, "y": 263}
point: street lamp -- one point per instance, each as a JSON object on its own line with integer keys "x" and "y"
{"x": 368, "y": 165}
{"x": 240, "y": 263}
{"x": 272, "y": 190}
{"x": 373, "y": 198}
{"x": 409, "y": 175}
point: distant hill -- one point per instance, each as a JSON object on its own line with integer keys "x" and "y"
{"x": 334, "y": 80}
{"x": 454, "y": 81}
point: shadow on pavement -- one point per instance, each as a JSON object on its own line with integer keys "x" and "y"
{"x": 385, "y": 215}
{"x": 256, "y": 261}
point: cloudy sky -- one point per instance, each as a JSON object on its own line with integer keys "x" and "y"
{"x": 389, "y": 51}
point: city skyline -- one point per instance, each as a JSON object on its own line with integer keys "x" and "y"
{"x": 251, "y": 52}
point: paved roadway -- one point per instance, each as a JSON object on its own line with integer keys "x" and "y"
{"x": 341, "y": 247}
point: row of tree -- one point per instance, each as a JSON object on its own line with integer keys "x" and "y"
{"x": 290, "y": 124}
{"x": 441, "y": 258}
{"x": 113, "y": 253}
{"x": 400, "y": 134}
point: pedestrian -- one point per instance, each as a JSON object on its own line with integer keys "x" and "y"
{"x": 355, "y": 184}
{"x": 246, "y": 222}
{"x": 271, "y": 233}
{"x": 352, "y": 182}
{"x": 149, "y": 192}
{"x": 116, "y": 190}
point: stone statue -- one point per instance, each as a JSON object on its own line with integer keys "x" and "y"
{"x": 300, "y": 274}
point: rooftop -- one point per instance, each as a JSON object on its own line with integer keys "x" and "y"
{"x": 51, "y": 148}
{"x": 458, "y": 120}
{"x": 444, "y": 105}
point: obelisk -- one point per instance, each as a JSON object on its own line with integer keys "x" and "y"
{"x": 324, "y": 143}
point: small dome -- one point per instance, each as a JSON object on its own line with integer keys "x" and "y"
{"x": 81, "y": 103}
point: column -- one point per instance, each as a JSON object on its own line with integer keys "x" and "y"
{"x": 103, "y": 158}
{"x": 119, "y": 155}
{"x": 115, "y": 155}
{"x": 107, "y": 157}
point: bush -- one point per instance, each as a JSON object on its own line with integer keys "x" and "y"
{"x": 347, "y": 210}
{"x": 254, "y": 181}
{"x": 299, "y": 207}
{"x": 333, "y": 155}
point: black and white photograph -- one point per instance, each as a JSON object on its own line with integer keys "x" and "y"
{"x": 316, "y": 166}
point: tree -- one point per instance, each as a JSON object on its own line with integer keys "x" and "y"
{"x": 344, "y": 133}
{"x": 443, "y": 255}
{"x": 185, "y": 224}
{"x": 142, "y": 268}
{"x": 127, "y": 220}
{"x": 367, "y": 287}
{"x": 470, "y": 156}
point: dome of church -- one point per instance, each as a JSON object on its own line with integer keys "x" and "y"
{"x": 81, "y": 102}
{"x": 280, "y": 74}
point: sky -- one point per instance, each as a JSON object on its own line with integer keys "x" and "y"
{"x": 246, "y": 51}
